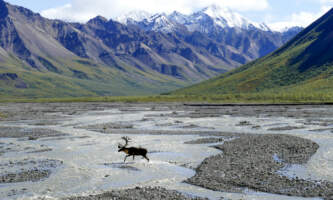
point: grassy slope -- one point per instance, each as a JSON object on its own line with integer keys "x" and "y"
{"x": 92, "y": 80}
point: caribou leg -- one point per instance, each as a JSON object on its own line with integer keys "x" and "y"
{"x": 126, "y": 157}
{"x": 146, "y": 158}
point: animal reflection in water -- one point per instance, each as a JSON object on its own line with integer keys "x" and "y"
{"x": 132, "y": 151}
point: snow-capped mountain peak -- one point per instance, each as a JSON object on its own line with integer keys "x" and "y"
{"x": 208, "y": 18}
{"x": 137, "y": 16}
{"x": 217, "y": 12}
{"x": 160, "y": 22}
{"x": 178, "y": 17}
{"x": 225, "y": 17}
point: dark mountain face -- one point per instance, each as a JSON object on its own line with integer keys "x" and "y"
{"x": 3, "y": 9}
{"x": 319, "y": 52}
{"x": 10, "y": 39}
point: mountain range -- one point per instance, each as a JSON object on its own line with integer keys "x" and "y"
{"x": 206, "y": 20}
{"x": 40, "y": 57}
{"x": 242, "y": 39}
{"x": 303, "y": 65}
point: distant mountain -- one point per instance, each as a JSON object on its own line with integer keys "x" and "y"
{"x": 134, "y": 16}
{"x": 304, "y": 64}
{"x": 214, "y": 17}
{"x": 40, "y": 57}
{"x": 243, "y": 40}
{"x": 206, "y": 20}
{"x": 289, "y": 33}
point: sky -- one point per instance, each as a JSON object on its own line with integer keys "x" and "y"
{"x": 278, "y": 14}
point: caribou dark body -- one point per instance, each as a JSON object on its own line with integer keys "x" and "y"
{"x": 132, "y": 151}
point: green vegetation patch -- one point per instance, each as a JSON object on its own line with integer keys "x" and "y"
{"x": 246, "y": 98}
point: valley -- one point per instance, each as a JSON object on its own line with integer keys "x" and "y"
{"x": 103, "y": 57}
{"x": 226, "y": 107}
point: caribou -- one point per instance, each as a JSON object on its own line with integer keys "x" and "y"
{"x": 132, "y": 151}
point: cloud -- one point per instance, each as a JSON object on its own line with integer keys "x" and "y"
{"x": 302, "y": 19}
{"x": 326, "y": 1}
{"x": 83, "y": 10}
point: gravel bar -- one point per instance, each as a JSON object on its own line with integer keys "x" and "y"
{"x": 250, "y": 162}
{"x": 150, "y": 193}
{"x": 31, "y": 133}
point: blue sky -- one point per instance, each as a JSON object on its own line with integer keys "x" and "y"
{"x": 38, "y": 5}
{"x": 276, "y": 13}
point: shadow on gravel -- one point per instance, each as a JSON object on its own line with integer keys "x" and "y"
{"x": 122, "y": 165}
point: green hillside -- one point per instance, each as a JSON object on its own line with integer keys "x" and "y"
{"x": 303, "y": 65}
{"x": 78, "y": 77}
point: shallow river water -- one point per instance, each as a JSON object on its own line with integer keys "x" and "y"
{"x": 92, "y": 163}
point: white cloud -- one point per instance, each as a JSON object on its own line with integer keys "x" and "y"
{"x": 326, "y": 1}
{"x": 303, "y": 19}
{"x": 83, "y": 10}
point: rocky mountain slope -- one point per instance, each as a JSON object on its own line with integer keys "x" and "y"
{"x": 304, "y": 64}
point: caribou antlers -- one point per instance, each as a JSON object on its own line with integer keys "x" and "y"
{"x": 132, "y": 151}
{"x": 127, "y": 140}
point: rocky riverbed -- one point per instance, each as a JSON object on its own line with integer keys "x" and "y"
{"x": 254, "y": 162}
{"x": 68, "y": 151}
{"x": 138, "y": 193}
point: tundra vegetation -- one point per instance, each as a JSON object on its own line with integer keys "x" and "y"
{"x": 262, "y": 97}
